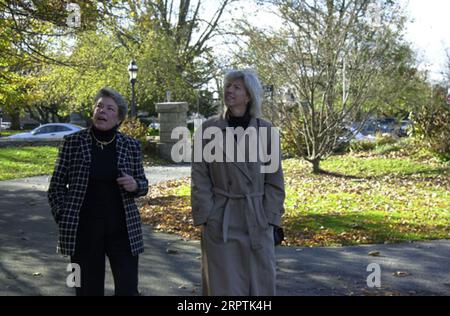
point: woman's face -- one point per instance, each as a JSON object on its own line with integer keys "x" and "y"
{"x": 106, "y": 114}
{"x": 236, "y": 94}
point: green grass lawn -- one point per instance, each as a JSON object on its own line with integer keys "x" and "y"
{"x": 5, "y": 133}
{"x": 360, "y": 200}
{"x": 367, "y": 200}
{"x": 20, "y": 162}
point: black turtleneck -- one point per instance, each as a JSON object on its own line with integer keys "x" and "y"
{"x": 103, "y": 200}
{"x": 104, "y": 135}
{"x": 104, "y": 161}
{"x": 239, "y": 121}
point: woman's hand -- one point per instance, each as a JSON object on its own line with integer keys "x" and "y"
{"x": 127, "y": 182}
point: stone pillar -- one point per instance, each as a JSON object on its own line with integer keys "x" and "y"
{"x": 171, "y": 115}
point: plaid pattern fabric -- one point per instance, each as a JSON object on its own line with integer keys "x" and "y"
{"x": 69, "y": 183}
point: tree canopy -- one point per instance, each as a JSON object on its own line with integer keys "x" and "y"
{"x": 62, "y": 67}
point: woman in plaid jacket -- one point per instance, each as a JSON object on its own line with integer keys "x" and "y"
{"x": 97, "y": 176}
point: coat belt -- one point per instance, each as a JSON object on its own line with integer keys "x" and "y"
{"x": 255, "y": 215}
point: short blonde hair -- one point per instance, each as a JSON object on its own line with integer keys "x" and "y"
{"x": 253, "y": 86}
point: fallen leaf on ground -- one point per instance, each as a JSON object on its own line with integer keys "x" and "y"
{"x": 172, "y": 251}
{"x": 400, "y": 274}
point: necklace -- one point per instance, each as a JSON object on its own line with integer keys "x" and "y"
{"x": 100, "y": 143}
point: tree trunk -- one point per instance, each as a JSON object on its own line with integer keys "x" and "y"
{"x": 15, "y": 120}
{"x": 316, "y": 165}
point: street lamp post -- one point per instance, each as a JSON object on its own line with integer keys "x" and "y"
{"x": 132, "y": 70}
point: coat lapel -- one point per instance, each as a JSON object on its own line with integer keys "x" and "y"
{"x": 86, "y": 145}
{"x": 121, "y": 151}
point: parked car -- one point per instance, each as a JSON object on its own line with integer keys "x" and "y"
{"x": 366, "y": 134}
{"x": 49, "y": 131}
{"x": 387, "y": 125}
{"x": 154, "y": 125}
{"x": 404, "y": 128}
{"x": 5, "y": 125}
{"x": 149, "y": 121}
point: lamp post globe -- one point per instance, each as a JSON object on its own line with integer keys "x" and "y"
{"x": 132, "y": 71}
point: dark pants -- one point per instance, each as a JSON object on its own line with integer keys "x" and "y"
{"x": 94, "y": 241}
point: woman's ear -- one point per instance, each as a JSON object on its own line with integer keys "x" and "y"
{"x": 249, "y": 99}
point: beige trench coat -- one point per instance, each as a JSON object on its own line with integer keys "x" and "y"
{"x": 236, "y": 204}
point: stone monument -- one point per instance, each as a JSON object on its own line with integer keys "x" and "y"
{"x": 171, "y": 115}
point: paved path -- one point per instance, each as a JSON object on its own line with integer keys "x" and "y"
{"x": 171, "y": 265}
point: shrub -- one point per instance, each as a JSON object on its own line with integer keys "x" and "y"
{"x": 135, "y": 129}
{"x": 387, "y": 148}
{"x": 290, "y": 145}
{"x": 362, "y": 145}
{"x": 432, "y": 129}
{"x": 342, "y": 148}
{"x": 153, "y": 132}
{"x": 385, "y": 139}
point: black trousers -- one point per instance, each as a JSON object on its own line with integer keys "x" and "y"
{"x": 94, "y": 243}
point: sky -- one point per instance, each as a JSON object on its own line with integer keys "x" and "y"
{"x": 429, "y": 32}
{"x": 428, "y": 29}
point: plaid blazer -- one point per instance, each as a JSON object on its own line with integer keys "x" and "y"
{"x": 69, "y": 183}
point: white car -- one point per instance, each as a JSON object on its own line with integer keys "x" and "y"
{"x": 5, "y": 125}
{"x": 154, "y": 125}
{"x": 353, "y": 133}
{"x": 49, "y": 131}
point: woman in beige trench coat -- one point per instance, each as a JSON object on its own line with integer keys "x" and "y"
{"x": 237, "y": 203}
